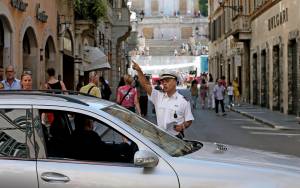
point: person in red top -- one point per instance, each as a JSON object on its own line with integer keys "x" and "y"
{"x": 127, "y": 96}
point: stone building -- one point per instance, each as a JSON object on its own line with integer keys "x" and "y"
{"x": 39, "y": 34}
{"x": 261, "y": 41}
{"x": 28, "y": 36}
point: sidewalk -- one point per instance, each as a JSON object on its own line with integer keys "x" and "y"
{"x": 273, "y": 119}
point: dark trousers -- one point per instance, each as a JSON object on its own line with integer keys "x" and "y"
{"x": 144, "y": 105}
{"x": 217, "y": 105}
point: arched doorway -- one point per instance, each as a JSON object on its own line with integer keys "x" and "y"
{"x": 5, "y": 41}
{"x": 68, "y": 61}
{"x": 49, "y": 54}
{"x": 30, "y": 54}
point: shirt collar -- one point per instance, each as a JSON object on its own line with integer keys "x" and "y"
{"x": 15, "y": 80}
{"x": 175, "y": 95}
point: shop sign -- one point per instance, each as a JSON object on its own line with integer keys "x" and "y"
{"x": 279, "y": 19}
{"x": 19, "y": 4}
{"x": 41, "y": 14}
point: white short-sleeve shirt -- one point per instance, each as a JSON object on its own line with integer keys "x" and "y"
{"x": 170, "y": 111}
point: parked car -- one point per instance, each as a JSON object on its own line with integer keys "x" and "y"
{"x": 44, "y": 144}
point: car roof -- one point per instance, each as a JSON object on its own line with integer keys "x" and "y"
{"x": 47, "y": 98}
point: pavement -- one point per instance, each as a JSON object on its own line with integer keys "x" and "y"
{"x": 274, "y": 119}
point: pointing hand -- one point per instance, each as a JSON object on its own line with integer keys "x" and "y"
{"x": 135, "y": 66}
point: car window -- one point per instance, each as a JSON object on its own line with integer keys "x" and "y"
{"x": 76, "y": 136}
{"x": 172, "y": 145}
{"x": 16, "y": 135}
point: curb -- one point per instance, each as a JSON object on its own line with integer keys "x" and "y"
{"x": 261, "y": 120}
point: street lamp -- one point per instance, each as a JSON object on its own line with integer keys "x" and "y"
{"x": 62, "y": 24}
{"x": 234, "y": 7}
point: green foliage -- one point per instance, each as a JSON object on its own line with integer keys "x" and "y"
{"x": 203, "y": 4}
{"x": 90, "y": 9}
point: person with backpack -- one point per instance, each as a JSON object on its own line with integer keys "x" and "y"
{"x": 92, "y": 87}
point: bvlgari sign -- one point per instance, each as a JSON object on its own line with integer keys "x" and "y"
{"x": 19, "y": 4}
{"x": 279, "y": 19}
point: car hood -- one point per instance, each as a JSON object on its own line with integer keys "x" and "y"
{"x": 218, "y": 165}
{"x": 238, "y": 155}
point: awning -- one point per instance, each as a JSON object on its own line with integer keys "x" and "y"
{"x": 94, "y": 59}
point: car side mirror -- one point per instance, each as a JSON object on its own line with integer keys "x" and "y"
{"x": 146, "y": 159}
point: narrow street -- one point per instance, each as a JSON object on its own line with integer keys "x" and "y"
{"x": 236, "y": 129}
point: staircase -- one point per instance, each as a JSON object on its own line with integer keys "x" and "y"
{"x": 163, "y": 47}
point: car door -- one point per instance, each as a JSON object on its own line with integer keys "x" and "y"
{"x": 68, "y": 172}
{"x": 17, "y": 154}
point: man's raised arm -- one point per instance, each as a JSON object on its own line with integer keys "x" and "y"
{"x": 142, "y": 79}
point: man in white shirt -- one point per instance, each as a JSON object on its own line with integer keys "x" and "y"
{"x": 219, "y": 91}
{"x": 173, "y": 111}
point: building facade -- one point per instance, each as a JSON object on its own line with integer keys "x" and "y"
{"x": 38, "y": 34}
{"x": 28, "y": 36}
{"x": 266, "y": 44}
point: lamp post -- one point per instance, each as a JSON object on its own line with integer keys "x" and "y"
{"x": 234, "y": 7}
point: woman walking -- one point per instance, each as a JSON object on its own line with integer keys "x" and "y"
{"x": 127, "y": 96}
{"x": 53, "y": 83}
{"x": 203, "y": 92}
{"x": 26, "y": 81}
{"x": 236, "y": 92}
{"x": 194, "y": 93}
{"x": 211, "y": 98}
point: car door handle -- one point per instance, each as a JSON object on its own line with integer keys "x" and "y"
{"x": 54, "y": 177}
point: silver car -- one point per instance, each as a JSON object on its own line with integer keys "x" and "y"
{"x": 67, "y": 141}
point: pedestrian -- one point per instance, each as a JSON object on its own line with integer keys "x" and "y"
{"x": 211, "y": 99}
{"x": 26, "y": 81}
{"x": 219, "y": 91}
{"x": 92, "y": 87}
{"x": 53, "y": 83}
{"x": 143, "y": 99}
{"x": 1, "y": 73}
{"x": 11, "y": 83}
{"x": 236, "y": 91}
{"x": 79, "y": 84}
{"x": 105, "y": 89}
{"x": 194, "y": 93}
{"x": 127, "y": 96}
{"x": 203, "y": 92}
{"x": 230, "y": 94}
{"x": 173, "y": 111}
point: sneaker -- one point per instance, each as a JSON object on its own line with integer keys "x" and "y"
{"x": 224, "y": 114}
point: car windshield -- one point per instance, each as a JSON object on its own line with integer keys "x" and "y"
{"x": 170, "y": 144}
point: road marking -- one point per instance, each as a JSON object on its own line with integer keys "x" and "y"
{"x": 259, "y": 128}
{"x": 275, "y": 134}
{"x": 232, "y": 119}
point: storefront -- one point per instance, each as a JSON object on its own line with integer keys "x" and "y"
{"x": 275, "y": 58}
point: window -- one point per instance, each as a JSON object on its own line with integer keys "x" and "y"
{"x": 173, "y": 146}
{"x": 16, "y": 135}
{"x": 76, "y": 136}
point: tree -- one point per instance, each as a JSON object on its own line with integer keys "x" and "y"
{"x": 90, "y": 9}
{"x": 203, "y": 6}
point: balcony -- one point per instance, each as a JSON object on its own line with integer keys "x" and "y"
{"x": 241, "y": 27}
